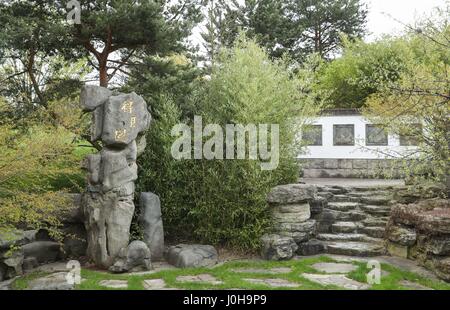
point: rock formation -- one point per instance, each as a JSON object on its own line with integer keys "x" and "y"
{"x": 152, "y": 225}
{"x": 118, "y": 120}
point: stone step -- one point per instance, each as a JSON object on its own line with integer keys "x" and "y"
{"x": 343, "y": 227}
{"x": 376, "y": 200}
{"x": 375, "y": 222}
{"x": 375, "y": 232}
{"x": 370, "y": 189}
{"x": 376, "y": 210}
{"x": 369, "y": 194}
{"x": 342, "y": 206}
{"x": 342, "y": 237}
{"x": 354, "y": 248}
{"x": 343, "y": 198}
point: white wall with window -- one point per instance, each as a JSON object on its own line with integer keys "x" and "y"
{"x": 352, "y": 137}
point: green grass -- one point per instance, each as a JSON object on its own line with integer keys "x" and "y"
{"x": 233, "y": 280}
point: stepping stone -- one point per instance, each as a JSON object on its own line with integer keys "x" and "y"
{"x": 336, "y": 279}
{"x": 354, "y": 248}
{"x": 114, "y": 283}
{"x": 154, "y": 284}
{"x": 200, "y": 278}
{"x": 261, "y": 270}
{"x": 343, "y": 227}
{"x": 342, "y": 206}
{"x": 414, "y": 286}
{"x": 55, "y": 281}
{"x": 334, "y": 267}
{"x": 273, "y": 282}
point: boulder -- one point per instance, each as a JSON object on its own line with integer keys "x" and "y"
{"x": 152, "y": 225}
{"x": 125, "y": 116}
{"x": 16, "y": 238}
{"x": 312, "y": 247}
{"x": 118, "y": 167}
{"x": 277, "y": 247}
{"x": 437, "y": 245}
{"x": 93, "y": 96}
{"x": 294, "y": 213}
{"x": 401, "y": 235}
{"x": 108, "y": 219}
{"x": 191, "y": 255}
{"x": 30, "y": 263}
{"x": 291, "y": 194}
{"x": 43, "y": 251}
{"x": 136, "y": 257}
{"x": 442, "y": 268}
{"x": 11, "y": 264}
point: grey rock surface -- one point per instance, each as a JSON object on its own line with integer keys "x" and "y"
{"x": 277, "y": 247}
{"x": 93, "y": 96}
{"x": 55, "y": 281}
{"x": 117, "y": 120}
{"x": 136, "y": 257}
{"x": 191, "y": 255}
{"x": 152, "y": 225}
{"x": 43, "y": 251}
{"x": 125, "y": 116}
{"x": 311, "y": 247}
{"x": 107, "y": 220}
{"x": 291, "y": 193}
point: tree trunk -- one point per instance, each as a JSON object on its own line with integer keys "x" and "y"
{"x": 103, "y": 74}
{"x": 34, "y": 83}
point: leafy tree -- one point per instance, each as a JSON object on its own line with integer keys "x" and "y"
{"x": 29, "y": 36}
{"x": 350, "y": 79}
{"x": 110, "y": 32}
{"x": 224, "y": 201}
{"x": 126, "y": 27}
{"x": 421, "y": 96}
{"x": 298, "y": 27}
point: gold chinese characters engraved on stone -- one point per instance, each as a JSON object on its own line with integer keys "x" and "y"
{"x": 132, "y": 121}
{"x": 120, "y": 134}
{"x": 127, "y": 106}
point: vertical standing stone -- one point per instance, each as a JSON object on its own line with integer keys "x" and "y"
{"x": 151, "y": 221}
{"x": 118, "y": 120}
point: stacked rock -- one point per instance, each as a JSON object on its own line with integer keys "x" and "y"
{"x": 291, "y": 214}
{"x": 118, "y": 120}
{"x": 421, "y": 231}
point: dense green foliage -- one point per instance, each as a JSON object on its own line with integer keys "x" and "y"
{"x": 39, "y": 161}
{"x": 350, "y": 79}
{"x": 417, "y": 104}
{"x": 224, "y": 201}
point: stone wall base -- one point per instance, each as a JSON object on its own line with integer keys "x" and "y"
{"x": 350, "y": 168}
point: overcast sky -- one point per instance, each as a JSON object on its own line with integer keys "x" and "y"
{"x": 403, "y": 10}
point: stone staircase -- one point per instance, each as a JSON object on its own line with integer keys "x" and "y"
{"x": 352, "y": 220}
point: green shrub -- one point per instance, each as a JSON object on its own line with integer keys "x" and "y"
{"x": 224, "y": 201}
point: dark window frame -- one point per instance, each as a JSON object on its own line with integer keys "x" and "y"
{"x": 335, "y": 126}
{"x": 386, "y": 143}
{"x": 309, "y": 143}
